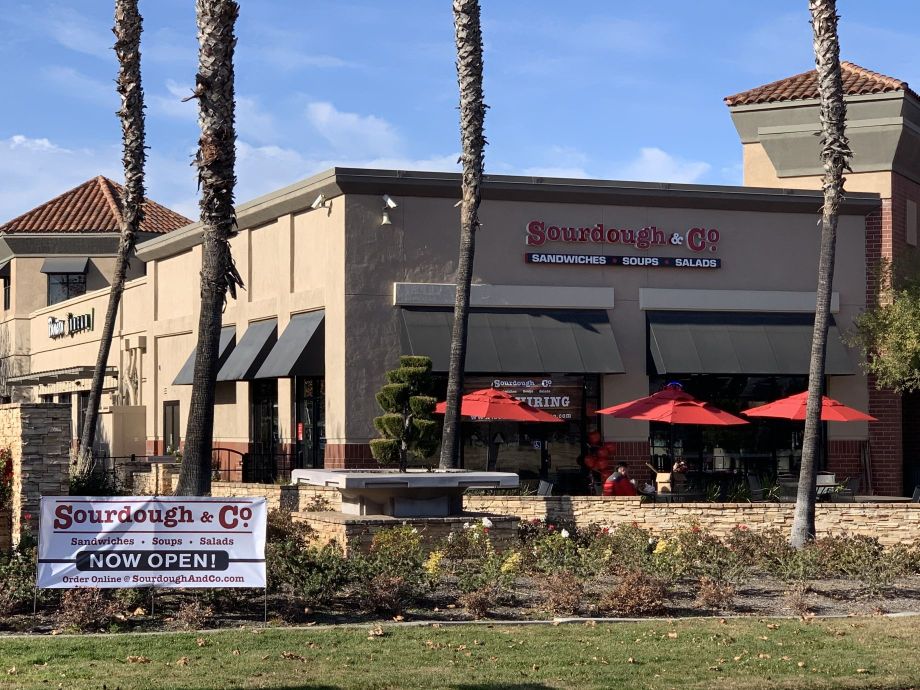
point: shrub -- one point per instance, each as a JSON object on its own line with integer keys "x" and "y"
{"x": 628, "y": 547}
{"x": 86, "y": 610}
{"x": 706, "y": 555}
{"x": 192, "y": 615}
{"x": 280, "y": 527}
{"x": 312, "y": 573}
{"x": 557, "y": 552}
{"x": 860, "y": 558}
{"x": 715, "y": 594}
{"x": 636, "y": 593}
{"x": 387, "y": 594}
{"x": 797, "y": 598}
{"x": 478, "y": 602}
{"x": 6, "y": 477}
{"x": 130, "y": 599}
{"x": 97, "y": 483}
{"x": 393, "y": 573}
{"x": 563, "y": 593}
{"x": 761, "y": 549}
{"x": 17, "y": 581}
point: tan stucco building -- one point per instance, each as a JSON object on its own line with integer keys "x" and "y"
{"x": 586, "y": 293}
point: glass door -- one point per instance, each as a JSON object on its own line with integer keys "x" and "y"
{"x": 310, "y": 422}
{"x": 170, "y": 426}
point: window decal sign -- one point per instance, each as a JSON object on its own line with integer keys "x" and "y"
{"x": 144, "y": 541}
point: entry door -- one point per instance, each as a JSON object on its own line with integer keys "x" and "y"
{"x": 310, "y": 422}
{"x": 263, "y": 416}
{"x": 171, "y": 433}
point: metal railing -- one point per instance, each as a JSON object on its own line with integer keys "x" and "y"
{"x": 259, "y": 468}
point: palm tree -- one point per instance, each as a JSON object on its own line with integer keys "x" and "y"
{"x": 128, "y": 28}
{"x": 835, "y": 152}
{"x": 215, "y": 161}
{"x": 472, "y": 118}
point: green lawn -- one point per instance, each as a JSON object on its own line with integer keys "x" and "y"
{"x": 846, "y": 653}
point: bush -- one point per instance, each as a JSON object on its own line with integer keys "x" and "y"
{"x": 628, "y": 548}
{"x": 280, "y": 527}
{"x": 637, "y": 593}
{"x": 312, "y": 573}
{"x": 563, "y": 593}
{"x": 797, "y": 598}
{"x": 17, "y": 581}
{"x": 556, "y": 553}
{"x": 393, "y": 573}
{"x": 715, "y": 594}
{"x": 478, "y": 602}
{"x": 97, "y": 483}
{"x": 707, "y": 556}
{"x": 387, "y": 594}
{"x": 87, "y": 610}
{"x": 762, "y": 550}
{"x": 859, "y": 558}
{"x": 192, "y": 615}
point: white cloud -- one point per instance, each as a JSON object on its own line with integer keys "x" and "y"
{"x": 33, "y": 170}
{"x": 78, "y": 85}
{"x": 172, "y": 105}
{"x": 74, "y": 31}
{"x": 351, "y": 134}
{"x": 654, "y": 165}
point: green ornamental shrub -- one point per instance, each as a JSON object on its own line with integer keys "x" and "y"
{"x": 407, "y": 426}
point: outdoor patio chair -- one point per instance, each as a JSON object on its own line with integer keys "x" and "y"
{"x": 544, "y": 488}
{"x": 758, "y": 492}
{"x": 916, "y": 497}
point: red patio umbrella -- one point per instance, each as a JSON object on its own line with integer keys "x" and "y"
{"x": 673, "y": 405}
{"x": 491, "y": 404}
{"x": 793, "y": 408}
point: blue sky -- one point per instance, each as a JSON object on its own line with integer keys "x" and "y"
{"x": 586, "y": 88}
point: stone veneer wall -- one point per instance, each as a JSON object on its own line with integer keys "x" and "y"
{"x": 38, "y": 435}
{"x": 288, "y": 497}
{"x": 354, "y": 533}
{"x": 891, "y": 523}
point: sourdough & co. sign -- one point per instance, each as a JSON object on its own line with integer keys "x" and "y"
{"x": 696, "y": 240}
{"x": 559, "y": 395}
{"x": 71, "y": 325}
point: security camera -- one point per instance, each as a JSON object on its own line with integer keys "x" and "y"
{"x": 388, "y": 201}
{"x": 318, "y": 202}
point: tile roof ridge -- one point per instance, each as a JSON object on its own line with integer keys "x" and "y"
{"x": 872, "y": 74}
{"x": 106, "y": 185}
{"x": 45, "y": 204}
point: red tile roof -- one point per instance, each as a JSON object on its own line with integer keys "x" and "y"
{"x": 856, "y": 81}
{"x": 94, "y": 206}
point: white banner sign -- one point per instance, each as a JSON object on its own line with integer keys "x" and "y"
{"x": 143, "y": 541}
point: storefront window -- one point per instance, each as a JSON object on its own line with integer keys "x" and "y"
{"x": 535, "y": 451}
{"x": 765, "y": 447}
{"x": 63, "y": 286}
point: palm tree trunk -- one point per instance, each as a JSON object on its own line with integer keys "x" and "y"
{"x": 215, "y": 161}
{"x": 473, "y": 141}
{"x": 128, "y": 28}
{"x": 835, "y": 152}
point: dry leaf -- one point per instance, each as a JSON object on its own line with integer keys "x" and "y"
{"x": 265, "y": 658}
{"x": 201, "y": 642}
{"x": 292, "y": 656}
{"x": 182, "y": 661}
{"x": 862, "y": 670}
{"x": 738, "y": 658}
{"x": 399, "y": 619}
{"x": 139, "y": 611}
{"x": 138, "y": 660}
{"x": 630, "y": 660}
{"x": 235, "y": 652}
{"x": 772, "y": 626}
{"x": 672, "y": 635}
{"x": 376, "y": 631}
{"x": 763, "y": 656}
{"x": 11, "y": 671}
{"x": 534, "y": 668}
{"x": 801, "y": 664}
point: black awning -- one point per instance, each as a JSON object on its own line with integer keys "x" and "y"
{"x": 250, "y": 351}
{"x": 721, "y": 343}
{"x": 300, "y": 351}
{"x": 227, "y": 340}
{"x": 563, "y": 341}
{"x": 65, "y": 264}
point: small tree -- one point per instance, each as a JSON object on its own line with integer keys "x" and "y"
{"x": 407, "y": 425}
{"x": 888, "y": 332}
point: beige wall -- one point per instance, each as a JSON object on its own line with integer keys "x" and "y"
{"x": 760, "y": 251}
{"x": 341, "y": 259}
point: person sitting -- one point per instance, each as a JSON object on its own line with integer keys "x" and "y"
{"x": 619, "y": 483}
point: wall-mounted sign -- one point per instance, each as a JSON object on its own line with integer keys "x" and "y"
{"x": 71, "y": 324}
{"x": 143, "y": 541}
{"x": 558, "y": 395}
{"x": 608, "y": 260}
{"x": 696, "y": 239}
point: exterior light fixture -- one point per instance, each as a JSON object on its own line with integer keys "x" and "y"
{"x": 388, "y": 203}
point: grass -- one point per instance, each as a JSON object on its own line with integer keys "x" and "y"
{"x": 739, "y": 653}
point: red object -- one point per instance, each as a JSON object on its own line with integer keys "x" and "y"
{"x": 620, "y": 486}
{"x": 610, "y": 447}
{"x": 594, "y": 438}
{"x": 491, "y": 404}
{"x": 674, "y": 406}
{"x": 793, "y": 407}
